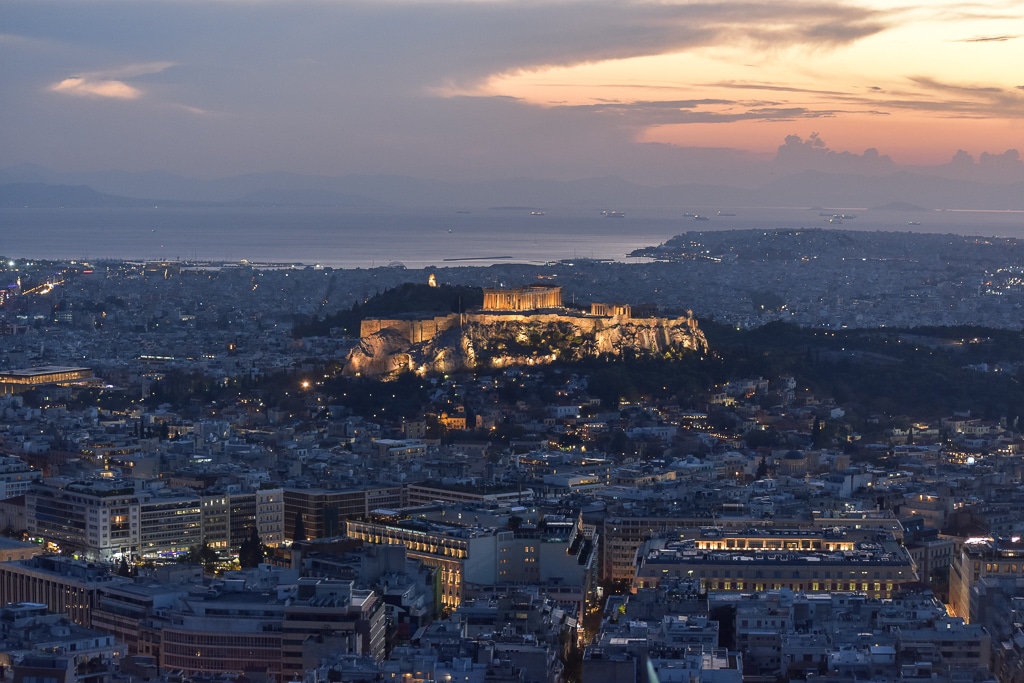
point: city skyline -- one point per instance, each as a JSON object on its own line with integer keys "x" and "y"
{"x": 657, "y": 93}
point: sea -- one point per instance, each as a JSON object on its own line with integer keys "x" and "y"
{"x": 419, "y": 238}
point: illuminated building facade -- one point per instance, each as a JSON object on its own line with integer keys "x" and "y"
{"x": 560, "y": 554}
{"x": 459, "y": 554}
{"x": 18, "y": 381}
{"x": 105, "y": 520}
{"x": 170, "y": 526}
{"x": 978, "y": 558}
{"x": 871, "y": 563}
{"x": 529, "y": 298}
{"x": 621, "y": 537}
{"x": 611, "y": 310}
{"x": 97, "y": 519}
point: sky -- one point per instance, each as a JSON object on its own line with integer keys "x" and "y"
{"x": 658, "y": 92}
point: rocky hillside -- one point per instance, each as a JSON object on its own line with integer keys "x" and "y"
{"x": 482, "y": 340}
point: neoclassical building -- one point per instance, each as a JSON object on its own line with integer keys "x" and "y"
{"x": 528, "y": 298}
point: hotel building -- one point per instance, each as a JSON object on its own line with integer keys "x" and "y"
{"x": 869, "y": 562}
{"x": 559, "y": 554}
{"x": 621, "y": 537}
{"x": 104, "y": 520}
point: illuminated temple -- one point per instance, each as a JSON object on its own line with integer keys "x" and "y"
{"x": 529, "y": 298}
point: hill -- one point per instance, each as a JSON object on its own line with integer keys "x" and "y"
{"x": 406, "y": 300}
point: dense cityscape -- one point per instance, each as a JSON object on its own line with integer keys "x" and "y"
{"x": 821, "y": 480}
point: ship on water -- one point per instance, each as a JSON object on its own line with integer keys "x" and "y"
{"x": 612, "y": 214}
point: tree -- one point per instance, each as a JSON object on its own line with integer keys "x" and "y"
{"x": 300, "y": 529}
{"x": 204, "y": 555}
{"x": 250, "y": 553}
{"x": 762, "y": 469}
{"x": 762, "y": 438}
{"x": 123, "y": 569}
{"x": 619, "y": 443}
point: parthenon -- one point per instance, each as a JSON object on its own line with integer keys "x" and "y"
{"x": 529, "y": 298}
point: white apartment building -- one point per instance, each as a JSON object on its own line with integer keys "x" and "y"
{"x": 15, "y": 476}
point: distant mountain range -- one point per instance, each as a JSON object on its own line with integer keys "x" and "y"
{"x": 35, "y": 186}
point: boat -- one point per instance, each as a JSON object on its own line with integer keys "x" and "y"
{"x": 726, "y": 213}
{"x": 536, "y": 213}
{"x": 613, "y": 214}
{"x": 913, "y": 223}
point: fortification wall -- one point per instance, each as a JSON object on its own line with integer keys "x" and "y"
{"x": 414, "y": 331}
{"x": 584, "y": 322}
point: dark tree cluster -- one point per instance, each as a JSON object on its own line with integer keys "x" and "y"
{"x": 402, "y": 300}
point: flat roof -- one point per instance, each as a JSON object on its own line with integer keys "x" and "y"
{"x": 41, "y": 371}
{"x": 14, "y": 544}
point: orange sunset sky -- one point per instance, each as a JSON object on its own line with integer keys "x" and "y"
{"x": 658, "y": 91}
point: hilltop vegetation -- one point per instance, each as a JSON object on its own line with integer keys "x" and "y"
{"x": 926, "y": 373}
{"x": 403, "y": 300}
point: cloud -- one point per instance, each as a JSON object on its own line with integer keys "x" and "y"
{"x": 409, "y": 86}
{"x": 541, "y": 36}
{"x": 110, "y": 83}
{"x": 996, "y": 168}
{"x": 958, "y": 99}
{"x": 136, "y": 70}
{"x": 191, "y": 110}
{"x": 775, "y": 88}
{"x": 797, "y": 154}
{"x": 87, "y": 87}
{"x": 645, "y": 113}
{"x": 934, "y": 84}
{"x": 987, "y": 39}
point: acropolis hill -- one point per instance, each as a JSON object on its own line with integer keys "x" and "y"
{"x": 523, "y": 326}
